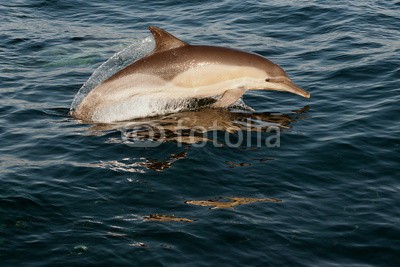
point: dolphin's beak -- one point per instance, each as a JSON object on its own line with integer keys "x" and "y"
{"x": 283, "y": 84}
{"x": 289, "y": 86}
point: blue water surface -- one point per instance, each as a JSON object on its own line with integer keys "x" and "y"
{"x": 74, "y": 193}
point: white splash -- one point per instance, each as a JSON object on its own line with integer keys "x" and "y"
{"x": 117, "y": 62}
{"x": 145, "y": 106}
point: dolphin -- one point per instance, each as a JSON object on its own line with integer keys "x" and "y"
{"x": 178, "y": 76}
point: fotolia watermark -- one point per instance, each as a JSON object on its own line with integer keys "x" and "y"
{"x": 244, "y": 134}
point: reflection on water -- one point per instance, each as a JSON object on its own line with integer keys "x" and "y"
{"x": 240, "y": 164}
{"x": 218, "y": 127}
{"x": 137, "y": 165}
{"x": 165, "y": 218}
{"x": 229, "y": 202}
{"x": 155, "y": 165}
{"x": 191, "y": 127}
{"x": 216, "y": 203}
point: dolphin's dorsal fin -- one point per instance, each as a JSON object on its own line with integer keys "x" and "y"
{"x": 164, "y": 40}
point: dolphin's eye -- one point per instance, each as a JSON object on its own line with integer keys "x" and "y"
{"x": 267, "y": 80}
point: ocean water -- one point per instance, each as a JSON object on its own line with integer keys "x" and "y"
{"x": 327, "y": 181}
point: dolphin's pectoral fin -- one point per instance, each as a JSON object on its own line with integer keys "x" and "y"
{"x": 240, "y": 105}
{"x": 229, "y": 97}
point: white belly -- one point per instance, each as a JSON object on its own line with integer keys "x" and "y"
{"x": 141, "y": 95}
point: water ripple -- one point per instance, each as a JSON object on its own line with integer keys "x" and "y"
{"x": 78, "y": 194}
